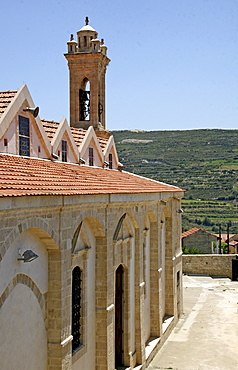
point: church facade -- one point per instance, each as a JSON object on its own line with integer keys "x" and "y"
{"x": 90, "y": 255}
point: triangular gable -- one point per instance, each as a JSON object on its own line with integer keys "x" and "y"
{"x": 111, "y": 148}
{"x": 61, "y": 130}
{"x": 89, "y": 137}
{"x": 22, "y": 100}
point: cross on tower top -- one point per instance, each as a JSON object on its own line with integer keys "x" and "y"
{"x": 86, "y": 21}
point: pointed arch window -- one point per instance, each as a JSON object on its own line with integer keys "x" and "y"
{"x": 76, "y": 307}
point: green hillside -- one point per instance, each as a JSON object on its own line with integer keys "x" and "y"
{"x": 203, "y": 162}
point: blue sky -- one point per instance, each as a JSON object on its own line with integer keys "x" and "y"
{"x": 173, "y": 62}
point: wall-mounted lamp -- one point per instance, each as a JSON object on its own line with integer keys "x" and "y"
{"x": 27, "y": 256}
{"x": 81, "y": 160}
{"x": 106, "y": 163}
{"x": 179, "y": 210}
{"x": 55, "y": 156}
{"x": 33, "y": 111}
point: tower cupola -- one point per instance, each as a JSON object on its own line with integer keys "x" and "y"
{"x": 87, "y": 62}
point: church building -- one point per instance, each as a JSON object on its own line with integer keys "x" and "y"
{"x": 90, "y": 255}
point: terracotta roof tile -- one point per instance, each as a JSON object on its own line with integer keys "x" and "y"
{"x": 5, "y": 99}
{"x": 21, "y": 176}
{"x": 193, "y": 231}
{"x": 78, "y": 134}
{"x": 190, "y": 232}
{"x": 50, "y": 128}
{"x": 102, "y": 142}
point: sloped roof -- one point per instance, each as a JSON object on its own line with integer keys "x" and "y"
{"x": 77, "y": 133}
{"x": 102, "y": 142}
{"x": 50, "y": 128}
{"x": 5, "y": 99}
{"x": 194, "y": 230}
{"x": 231, "y": 238}
{"x": 190, "y": 232}
{"x": 21, "y": 176}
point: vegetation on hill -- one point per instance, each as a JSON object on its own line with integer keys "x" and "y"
{"x": 202, "y": 162}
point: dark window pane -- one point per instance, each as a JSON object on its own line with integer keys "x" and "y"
{"x": 24, "y": 146}
{"x": 110, "y": 161}
{"x": 90, "y": 156}
{"x": 23, "y": 126}
{"x": 76, "y": 307}
{"x": 64, "y": 151}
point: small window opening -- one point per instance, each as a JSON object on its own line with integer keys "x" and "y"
{"x": 76, "y": 308}
{"x": 64, "y": 151}
{"x": 178, "y": 278}
{"x": 90, "y": 160}
{"x": 5, "y": 142}
{"x": 58, "y": 153}
{"x": 110, "y": 160}
{"x": 79, "y": 42}
{"x": 90, "y": 42}
{"x": 85, "y": 41}
{"x": 39, "y": 150}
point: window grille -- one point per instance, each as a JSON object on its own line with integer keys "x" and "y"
{"x": 76, "y": 307}
{"x": 24, "y": 136}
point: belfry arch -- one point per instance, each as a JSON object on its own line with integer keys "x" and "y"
{"x": 84, "y": 100}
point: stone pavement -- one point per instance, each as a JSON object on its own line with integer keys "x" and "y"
{"x": 206, "y": 336}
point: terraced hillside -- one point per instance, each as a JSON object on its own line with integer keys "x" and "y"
{"x": 203, "y": 162}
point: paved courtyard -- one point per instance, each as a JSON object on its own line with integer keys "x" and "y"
{"x": 206, "y": 336}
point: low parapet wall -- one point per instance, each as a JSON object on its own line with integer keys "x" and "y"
{"x": 208, "y": 264}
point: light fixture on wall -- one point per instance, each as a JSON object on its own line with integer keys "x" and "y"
{"x": 179, "y": 210}
{"x": 27, "y": 256}
{"x": 55, "y": 156}
{"x": 81, "y": 160}
{"x": 33, "y": 111}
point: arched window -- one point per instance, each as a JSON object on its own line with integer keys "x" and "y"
{"x": 84, "y": 101}
{"x": 76, "y": 307}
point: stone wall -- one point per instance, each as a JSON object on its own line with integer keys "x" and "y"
{"x": 208, "y": 264}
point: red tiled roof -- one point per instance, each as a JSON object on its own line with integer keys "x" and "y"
{"x": 224, "y": 238}
{"x": 78, "y": 134}
{"x": 50, "y": 128}
{"x": 102, "y": 142}
{"x": 21, "y": 176}
{"x": 5, "y": 99}
{"x": 193, "y": 231}
{"x": 190, "y": 232}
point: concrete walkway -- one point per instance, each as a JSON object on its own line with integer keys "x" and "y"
{"x": 206, "y": 336}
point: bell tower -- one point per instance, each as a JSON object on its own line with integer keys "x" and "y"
{"x": 87, "y": 62}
